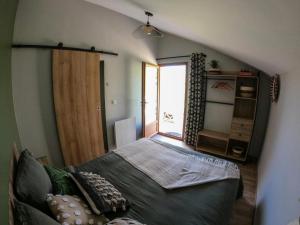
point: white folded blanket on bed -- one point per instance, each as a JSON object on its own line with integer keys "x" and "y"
{"x": 173, "y": 168}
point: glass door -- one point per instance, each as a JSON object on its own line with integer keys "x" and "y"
{"x": 150, "y": 99}
{"x": 172, "y": 96}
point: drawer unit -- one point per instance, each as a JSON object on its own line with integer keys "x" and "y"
{"x": 244, "y": 126}
{"x": 240, "y": 136}
{"x": 239, "y": 124}
{"x": 241, "y": 129}
{"x": 242, "y": 121}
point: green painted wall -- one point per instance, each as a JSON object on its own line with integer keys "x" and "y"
{"x": 8, "y": 129}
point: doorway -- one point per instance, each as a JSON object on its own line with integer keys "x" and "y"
{"x": 172, "y": 88}
{"x": 164, "y": 99}
{"x": 150, "y": 99}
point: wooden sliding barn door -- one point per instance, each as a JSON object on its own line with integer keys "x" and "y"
{"x": 76, "y": 88}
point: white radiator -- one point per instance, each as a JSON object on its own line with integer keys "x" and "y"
{"x": 125, "y": 132}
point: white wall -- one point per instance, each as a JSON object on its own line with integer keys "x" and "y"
{"x": 278, "y": 194}
{"x": 79, "y": 24}
{"x": 172, "y": 45}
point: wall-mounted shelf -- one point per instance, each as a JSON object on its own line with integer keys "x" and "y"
{"x": 232, "y": 75}
{"x": 240, "y": 135}
{"x": 245, "y": 98}
{"x": 251, "y": 77}
{"x": 217, "y": 102}
{"x": 224, "y": 73}
{"x": 220, "y": 77}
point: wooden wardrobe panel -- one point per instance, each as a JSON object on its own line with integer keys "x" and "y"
{"x": 76, "y": 88}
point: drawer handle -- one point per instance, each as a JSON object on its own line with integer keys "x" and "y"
{"x": 242, "y": 125}
{"x": 240, "y": 134}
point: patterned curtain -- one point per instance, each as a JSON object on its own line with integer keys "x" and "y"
{"x": 196, "y": 98}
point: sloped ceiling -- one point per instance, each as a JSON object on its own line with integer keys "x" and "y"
{"x": 262, "y": 33}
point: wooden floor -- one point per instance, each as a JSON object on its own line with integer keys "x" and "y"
{"x": 244, "y": 208}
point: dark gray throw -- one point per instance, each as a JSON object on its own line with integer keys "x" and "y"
{"x": 205, "y": 204}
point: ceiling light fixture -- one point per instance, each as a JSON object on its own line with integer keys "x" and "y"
{"x": 148, "y": 29}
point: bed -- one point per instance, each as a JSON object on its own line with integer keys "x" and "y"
{"x": 204, "y": 204}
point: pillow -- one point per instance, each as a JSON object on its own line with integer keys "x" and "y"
{"x": 32, "y": 182}
{"x": 61, "y": 182}
{"x": 72, "y": 210}
{"x": 124, "y": 221}
{"x": 102, "y": 196}
{"x": 26, "y": 214}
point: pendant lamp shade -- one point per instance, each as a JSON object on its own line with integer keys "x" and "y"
{"x": 149, "y": 30}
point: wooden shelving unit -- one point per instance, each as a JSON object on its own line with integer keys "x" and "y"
{"x": 211, "y": 149}
{"x": 214, "y": 134}
{"x": 212, "y": 142}
{"x": 239, "y": 137}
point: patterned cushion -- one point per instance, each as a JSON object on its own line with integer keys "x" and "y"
{"x": 124, "y": 221}
{"x": 102, "y": 196}
{"x": 61, "y": 182}
{"x": 69, "y": 210}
